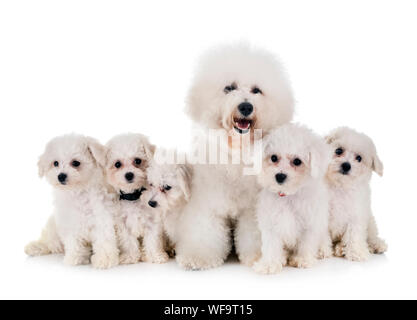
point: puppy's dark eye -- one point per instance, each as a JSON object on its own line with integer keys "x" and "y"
{"x": 274, "y": 158}
{"x": 297, "y": 162}
{"x": 118, "y": 164}
{"x": 339, "y": 151}
{"x": 167, "y": 187}
{"x": 137, "y": 162}
{"x": 76, "y": 163}
{"x": 230, "y": 88}
{"x": 56, "y": 163}
{"x": 358, "y": 158}
{"x": 256, "y": 90}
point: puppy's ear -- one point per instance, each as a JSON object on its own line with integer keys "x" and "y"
{"x": 98, "y": 151}
{"x": 377, "y": 165}
{"x": 184, "y": 175}
{"x": 319, "y": 159}
{"x": 149, "y": 150}
{"x": 43, "y": 164}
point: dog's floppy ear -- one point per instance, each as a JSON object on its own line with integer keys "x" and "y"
{"x": 43, "y": 164}
{"x": 377, "y": 165}
{"x": 319, "y": 159}
{"x": 184, "y": 175}
{"x": 149, "y": 150}
{"x": 97, "y": 150}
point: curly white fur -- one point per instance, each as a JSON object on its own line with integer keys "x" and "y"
{"x": 170, "y": 190}
{"x": 352, "y": 225}
{"x": 139, "y": 229}
{"x": 82, "y": 225}
{"x": 292, "y": 207}
{"x": 221, "y": 194}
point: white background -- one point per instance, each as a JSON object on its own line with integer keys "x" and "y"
{"x": 107, "y": 67}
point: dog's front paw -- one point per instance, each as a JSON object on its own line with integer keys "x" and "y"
{"x": 129, "y": 258}
{"x": 267, "y": 267}
{"x": 76, "y": 260}
{"x": 197, "y": 263}
{"x": 324, "y": 252}
{"x": 161, "y": 257}
{"x": 378, "y": 247}
{"x": 249, "y": 260}
{"x": 104, "y": 260}
{"x": 36, "y": 248}
{"x": 360, "y": 253}
{"x": 301, "y": 261}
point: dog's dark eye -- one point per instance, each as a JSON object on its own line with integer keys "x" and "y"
{"x": 167, "y": 187}
{"x": 358, "y": 158}
{"x": 76, "y": 163}
{"x": 297, "y": 162}
{"x": 339, "y": 151}
{"x": 56, "y": 163}
{"x": 256, "y": 90}
{"x": 230, "y": 88}
{"x": 274, "y": 158}
{"x": 118, "y": 164}
{"x": 137, "y": 162}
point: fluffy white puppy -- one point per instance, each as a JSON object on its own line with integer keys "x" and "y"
{"x": 170, "y": 190}
{"x": 139, "y": 229}
{"x": 352, "y": 225}
{"x": 236, "y": 89}
{"x": 292, "y": 208}
{"x": 82, "y": 225}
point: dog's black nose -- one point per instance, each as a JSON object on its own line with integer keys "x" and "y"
{"x": 152, "y": 203}
{"x": 129, "y": 176}
{"x": 346, "y": 167}
{"x": 245, "y": 108}
{"x": 62, "y": 177}
{"x": 280, "y": 177}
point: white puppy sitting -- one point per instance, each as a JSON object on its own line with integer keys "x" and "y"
{"x": 139, "y": 229}
{"x": 292, "y": 208}
{"x": 170, "y": 190}
{"x": 82, "y": 225}
{"x": 352, "y": 225}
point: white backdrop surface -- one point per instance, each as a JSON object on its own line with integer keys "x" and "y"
{"x": 107, "y": 67}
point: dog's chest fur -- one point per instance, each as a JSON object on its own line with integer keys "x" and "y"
{"x": 136, "y": 217}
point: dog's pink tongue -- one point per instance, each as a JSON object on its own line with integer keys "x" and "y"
{"x": 243, "y": 124}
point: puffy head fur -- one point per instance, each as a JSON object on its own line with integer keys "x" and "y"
{"x": 358, "y": 151}
{"x": 293, "y": 156}
{"x": 228, "y": 76}
{"x": 127, "y": 158}
{"x": 170, "y": 185}
{"x": 71, "y": 161}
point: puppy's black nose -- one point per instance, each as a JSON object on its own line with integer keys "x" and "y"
{"x": 346, "y": 167}
{"x": 152, "y": 203}
{"x": 280, "y": 177}
{"x": 62, "y": 177}
{"x": 245, "y": 108}
{"x": 129, "y": 176}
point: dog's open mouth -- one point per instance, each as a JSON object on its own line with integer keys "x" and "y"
{"x": 242, "y": 125}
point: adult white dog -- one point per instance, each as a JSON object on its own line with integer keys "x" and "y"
{"x": 236, "y": 90}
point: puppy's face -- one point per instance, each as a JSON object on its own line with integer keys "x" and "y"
{"x": 354, "y": 158}
{"x": 127, "y": 159}
{"x": 71, "y": 161}
{"x": 293, "y": 156}
{"x": 240, "y": 89}
{"x": 169, "y": 186}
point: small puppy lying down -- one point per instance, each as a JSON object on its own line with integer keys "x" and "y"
{"x": 352, "y": 226}
{"x": 292, "y": 208}
{"x": 139, "y": 229}
{"x": 82, "y": 225}
{"x": 170, "y": 190}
